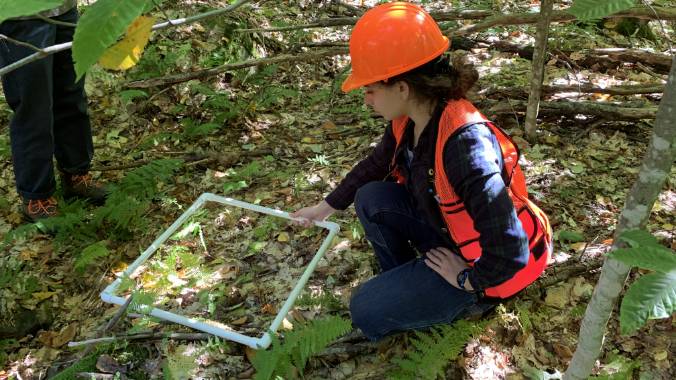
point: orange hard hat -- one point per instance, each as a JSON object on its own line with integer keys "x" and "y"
{"x": 391, "y": 39}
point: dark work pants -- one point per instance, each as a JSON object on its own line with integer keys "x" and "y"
{"x": 407, "y": 294}
{"x": 50, "y": 109}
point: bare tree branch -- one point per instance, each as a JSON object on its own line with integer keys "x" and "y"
{"x": 345, "y": 21}
{"x": 492, "y": 107}
{"x": 587, "y": 88}
{"x": 55, "y": 22}
{"x": 65, "y": 46}
{"x": 20, "y": 43}
{"x": 200, "y": 74}
{"x": 561, "y": 16}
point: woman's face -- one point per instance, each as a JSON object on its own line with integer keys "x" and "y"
{"x": 387, "y": 101}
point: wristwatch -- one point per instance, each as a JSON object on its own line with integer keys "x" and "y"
{"x": 462, "y": 277}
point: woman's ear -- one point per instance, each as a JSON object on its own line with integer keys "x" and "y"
{"x": 403, "y": 90}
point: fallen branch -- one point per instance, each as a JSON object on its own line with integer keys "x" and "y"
{"x": 560, "y": 16}
{"x": 346, "y": 21}
{"x": 113, "y": 321}
{"x": 150, "y": 335}
{"x": 99, "y": 376}
{"x": 201, "y": 74}
{"x": 661, "y": 62}
{"x": 591, "y": 56}
{"x": 608, "y": 111}
{"x": 517, "y": 92}
{"x": 191, "y": 159}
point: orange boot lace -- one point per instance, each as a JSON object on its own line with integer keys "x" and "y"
{"x": 42, "y": 206}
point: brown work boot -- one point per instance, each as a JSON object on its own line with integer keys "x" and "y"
{"x": 83, "y": 186}
{"x": 36, "y": 209}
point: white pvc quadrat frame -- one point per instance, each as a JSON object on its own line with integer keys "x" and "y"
{"x": 108, "y": 294}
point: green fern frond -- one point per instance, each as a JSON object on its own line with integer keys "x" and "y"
{"x": 21, "y": 232}
{"x": 298, "y": 346}
{"x": 122, "y": 211}
{"x": 433, "y": 350}
{"x": 90, "y": 254}
{"x": 266, "y": 361}
{"x": 129, "y": 199}
{"x": 71, "y": 224}
{"x": 142, "y": 182}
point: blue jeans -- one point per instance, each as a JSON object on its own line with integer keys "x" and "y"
{"x": 407, "y": 294}
{"x": 50, "y": 108}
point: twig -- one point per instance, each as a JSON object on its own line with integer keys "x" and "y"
{"x": 559, "y": 16}
{"x": 151, "y": 335}
{"x": 664, "y": 32}
{"x": 201, "y": 74}
{"x": 55, "y": 22}
{"x": 188, "y": 20}
{"x": 98, "y": 376}
{"x": 561, "y": 108}
{"x": 20, "y": 43}
{"x": 166, "y": 16}
{"x": 346, "y": 21}
{"x": 648, "y": 71}
{"x": 113, "y": 321}
{"x": 322, "y": 23}
{"x": 191, "y": 159}
{"x": 588, "y": 88}
{"x": 586, "y": 130}
{"x": 67, "y": 45}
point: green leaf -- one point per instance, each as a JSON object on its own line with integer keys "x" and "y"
{"x": 99, "y": 27}
{"x": 229, "y": 187}
{"x": 128, "y": 96}
{"x": 655, "y": 258}
{"x": 13, "y": 8}
{"x": 570, "y": 236}
{"x": 642, "y": 238}
{"x": 595, "y": 9}
{"x": 652, "y": 296}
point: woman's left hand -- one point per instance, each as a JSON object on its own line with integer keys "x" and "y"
{"x": 447, "y": 264}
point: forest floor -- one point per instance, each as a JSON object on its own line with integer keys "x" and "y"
{"x": 283, "y": 136}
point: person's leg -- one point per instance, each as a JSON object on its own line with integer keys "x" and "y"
{"x": 73, "y": 147}
{"x": 28, "y": 91}
{"x": 410, "y": 296}
{"x": 391, "y": 222}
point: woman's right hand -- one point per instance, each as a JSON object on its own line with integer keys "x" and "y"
{"x": 318, "y": 212}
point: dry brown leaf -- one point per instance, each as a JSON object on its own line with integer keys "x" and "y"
{"x": 239, "y": 321}
{"x": 56, "y": 340}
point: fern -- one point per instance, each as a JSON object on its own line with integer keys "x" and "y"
{"x": 89, "y": 255}
{"x": 21, "y": 232}
{"x": 142, "y": 182}
{"x": 130, "y": 198}
{"x": 297, "y": 347}
{"x": 433, "y": 350}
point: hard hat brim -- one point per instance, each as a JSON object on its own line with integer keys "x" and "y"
{"x": 353, "y": 83}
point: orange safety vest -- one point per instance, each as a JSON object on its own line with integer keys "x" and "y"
{"x": 457, "y": 114}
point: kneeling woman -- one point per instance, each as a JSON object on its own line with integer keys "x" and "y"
{"x": 443, "y": 182}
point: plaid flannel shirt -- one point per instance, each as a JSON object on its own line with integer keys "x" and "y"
{"x": 473, "y": 166}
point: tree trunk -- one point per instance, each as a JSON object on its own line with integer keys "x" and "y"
{"x": 654, "y": 171}
{"x": 538, "y": 71}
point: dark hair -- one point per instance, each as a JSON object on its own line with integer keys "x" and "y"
{"x": 442, "y": 79}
